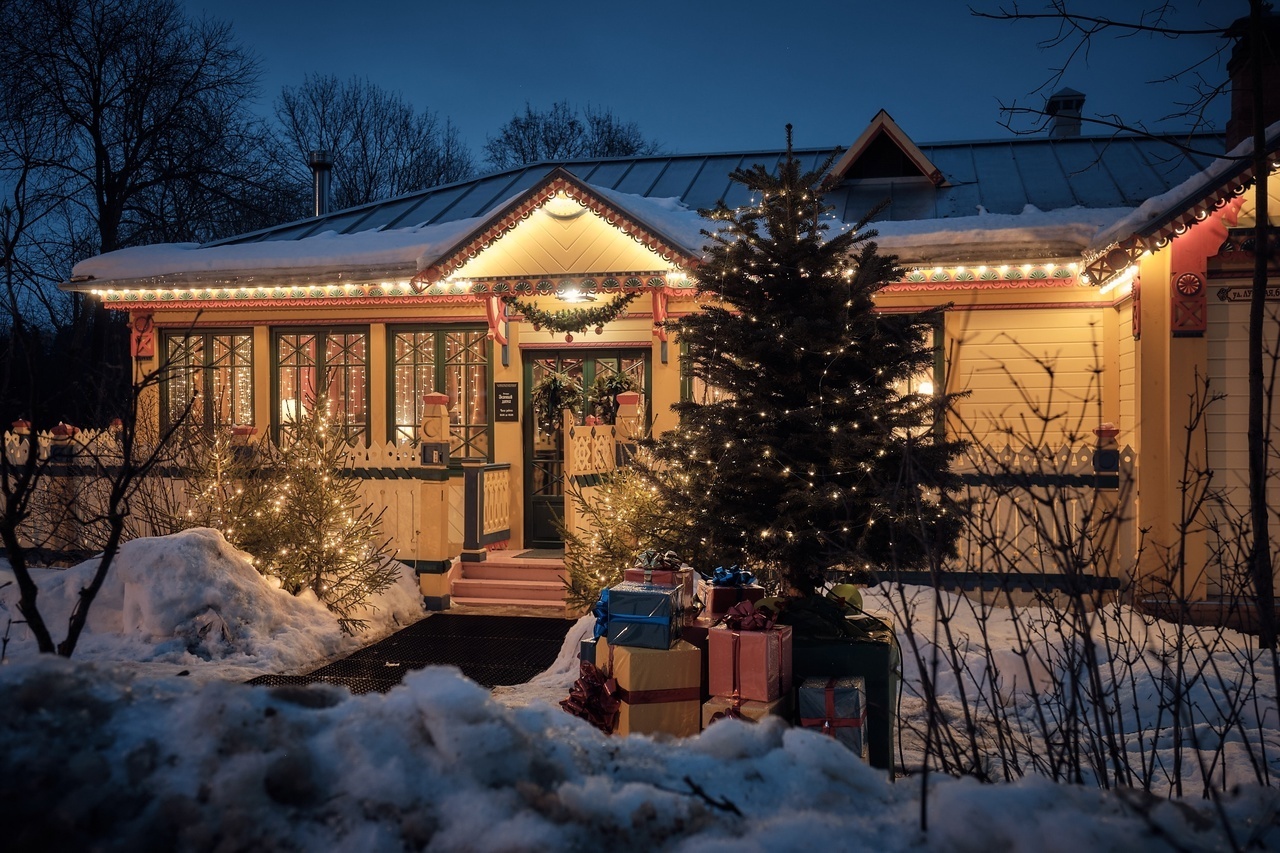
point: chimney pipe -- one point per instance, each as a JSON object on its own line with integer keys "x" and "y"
{"x": 1064, "y": 108}
{"x": 321, "y": 163}
{"x": 1264, "y": 47}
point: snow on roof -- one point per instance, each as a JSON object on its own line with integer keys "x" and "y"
{"x": 993, "y": 236}
{"x": 398, "y": 248}
{"x": 1187, "y": 194}
{"x": 668, "y": 216}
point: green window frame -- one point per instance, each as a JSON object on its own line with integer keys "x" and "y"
{"x": 213, "y": 370}
{"x": 453, "y": 360}
{"x": 314, "y": 362}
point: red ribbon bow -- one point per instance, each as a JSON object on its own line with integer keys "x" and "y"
{"x": 743, "y": 616}
{"x": 594, "y": 698}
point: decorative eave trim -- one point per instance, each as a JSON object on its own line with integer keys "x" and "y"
{"x": 505, "y": 220}
{"x": 1001, "y": 277}
{"x": 1101, "y": 265}
{"x": 883, "y": 124}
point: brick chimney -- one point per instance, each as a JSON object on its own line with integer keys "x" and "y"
{"x": 1265, "y": 44}
{"x": 1064, "y": 107}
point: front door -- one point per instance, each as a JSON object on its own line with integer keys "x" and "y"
{"x": 544, "y": 452}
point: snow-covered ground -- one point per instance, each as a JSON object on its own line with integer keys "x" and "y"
{"x": 113, "y": 751}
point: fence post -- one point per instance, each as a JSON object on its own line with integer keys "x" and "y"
{"x": 434, "y": 559}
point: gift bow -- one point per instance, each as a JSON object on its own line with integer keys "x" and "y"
{"x": 733, "y": 576}
{"x": 594, "y": 698}
{"x": 651, "y": 560}
{"x": 744, "y": 616}
{"x": 600, "y": 610}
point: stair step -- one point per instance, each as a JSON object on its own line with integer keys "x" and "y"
{"x": 557, "y": 606}
{"x": 525, "y": 590}
{"x": 507, "y": 571}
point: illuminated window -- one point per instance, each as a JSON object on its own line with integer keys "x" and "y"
{"x": 333, "y": 364}
{"x": 213, "y": 372}
{"x": 454, "y": 362}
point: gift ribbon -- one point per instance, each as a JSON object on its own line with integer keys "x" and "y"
{"x": 744, "y": 616}
{"x": 830, "y": 723}
{"x": 651, "y": 559}
{"x": 654, "y": 697}
{"x": 594, "y": 698}
{"x": 601, "y": 611}
{"x": 732, "y": 576}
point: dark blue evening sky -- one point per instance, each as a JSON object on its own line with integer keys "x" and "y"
{"x": 711, "y": 75}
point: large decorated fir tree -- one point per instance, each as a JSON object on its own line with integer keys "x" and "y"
{"x": 813, "y": 456}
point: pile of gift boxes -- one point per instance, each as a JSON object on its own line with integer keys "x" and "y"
{"x": 674, "y": 653}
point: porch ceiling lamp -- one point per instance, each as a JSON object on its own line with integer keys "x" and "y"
{"x": 571, "y": 293}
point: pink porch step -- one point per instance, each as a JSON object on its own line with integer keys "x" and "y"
{"x": 507, "y": 579}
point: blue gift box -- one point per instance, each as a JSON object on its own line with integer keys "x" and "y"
{"x": 644, "y": 615}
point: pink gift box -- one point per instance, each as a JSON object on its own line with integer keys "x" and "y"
{"x": 752, "y": 665}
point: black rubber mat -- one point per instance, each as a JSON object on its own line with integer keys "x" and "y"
{"x": 489, "y": 650}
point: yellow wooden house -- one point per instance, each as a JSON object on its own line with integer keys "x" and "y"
{"x": 1037, "y": 245}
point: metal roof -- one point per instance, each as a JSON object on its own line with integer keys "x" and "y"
{"x": 995, "y": 176}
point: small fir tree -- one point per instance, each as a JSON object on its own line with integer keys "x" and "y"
{"x": 814, "y": 457}
{"x": 333, "y": 543}
{"x": 297, "y": 513}
{"x": 626, "y": 515}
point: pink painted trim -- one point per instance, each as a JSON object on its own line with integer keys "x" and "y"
{"x": 552, "y": 345}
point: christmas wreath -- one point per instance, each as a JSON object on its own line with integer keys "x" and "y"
{"x": 572, "y": 320}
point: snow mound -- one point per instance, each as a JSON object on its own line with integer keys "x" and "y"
{"x": 193, "y": 600}
{"x": 110, "y": 760}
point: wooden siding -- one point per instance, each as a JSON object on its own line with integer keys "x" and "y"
{"x": 1227, "y": 424}
{"x": 1128, "y": 366}
{"x": 1031, "y": 372}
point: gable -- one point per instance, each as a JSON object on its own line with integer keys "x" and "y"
{"x": 562, "y": 237}
{"x": 559, "y": 226}
{"x": 884, "y": 150}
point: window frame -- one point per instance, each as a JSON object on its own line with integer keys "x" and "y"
{"x": 440, "y": 331}
{"x": 207, "y": 370}
{"x": 322, "y": 333}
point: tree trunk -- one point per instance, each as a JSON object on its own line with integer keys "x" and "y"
{"x": 1260, "y": 553}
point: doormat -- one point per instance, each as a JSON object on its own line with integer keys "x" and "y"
{"x": 541, "y": 554}
{"x": 490, "y": 650}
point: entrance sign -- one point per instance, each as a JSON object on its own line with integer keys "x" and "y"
{"x": 506, "y": 397}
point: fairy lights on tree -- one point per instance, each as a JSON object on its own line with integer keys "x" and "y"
{"x": 813, "y": 456}
{"x": 299, "y": 515}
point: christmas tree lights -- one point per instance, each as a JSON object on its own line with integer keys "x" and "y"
{"x": 815, "y": 454}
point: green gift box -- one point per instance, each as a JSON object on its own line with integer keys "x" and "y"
{"x": 835, "y": 707}
{"x": 873, "y": 654}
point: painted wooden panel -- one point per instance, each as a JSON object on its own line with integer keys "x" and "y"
{"x": 1128, "y": 378}
{"x": 562, "y": 244}
{"x": 1227, "y": 425}
{"x": 1030, "y": 371}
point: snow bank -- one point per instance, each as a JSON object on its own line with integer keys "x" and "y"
{"x": 194, "y": 602}
{"x": 89, "y": 755}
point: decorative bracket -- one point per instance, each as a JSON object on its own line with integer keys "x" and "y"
{"x": 660, "y": 314}
{"x": 142, "y": 334}
{"x": 1190, "y": 305}
{"x": 495, "y": 311}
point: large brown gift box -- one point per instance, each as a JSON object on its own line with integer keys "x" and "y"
{"x": 724, "y": 707}
{"x": 749, "y": 664}
{"x": 660, "y": 689}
